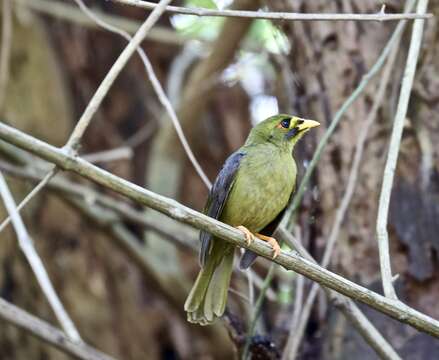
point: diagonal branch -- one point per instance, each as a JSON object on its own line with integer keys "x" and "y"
{"x": 392, "y": 156}
{"x": 298, "y": 329}
{"x": 29, "y": 196}
{"x": 289, "y": 216}
{"x": 289, "y": 260}
{"x": 380, "y": 16}
{"x": 157, "y": 88}
{"x": 26, "y": 245}
{"x": 257, "y": 312}
{"x": 101, "y": 92}
{"x": 63, "y": 11}
{"x": 347, "y": 307}
{"x": 115, "y": 70}
{"x": 118, "y": 212}
{"x": 47, "y": 333}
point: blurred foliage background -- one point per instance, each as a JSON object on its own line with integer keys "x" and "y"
{"x": 223, "y": 75}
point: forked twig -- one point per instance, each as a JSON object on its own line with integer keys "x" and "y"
{"x": 101, "y": 92}
{"x": 179, "y": 212}
{"x": 63, "y": 11}
{"x": 348, "y": 308}
{"x": 122, "y": 212}
{"x": 379, "y": 16}
{"x": 288, "y": 218}
{"x": 157, "y": 88}
{"x": 30, "y": 196}
{"x": 26, "y": 245}
{"x": 119, "y": 64}
{"x": 392, "y": 156}
{"x": 257, "y": 311}
{"x": 297, "y": 331}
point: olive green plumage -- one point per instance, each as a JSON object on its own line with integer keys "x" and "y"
{"x": 252, "y": 189}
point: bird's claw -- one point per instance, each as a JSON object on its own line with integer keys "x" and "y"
{"x": 249, "y": 237}
{"x": 274, "y": 244}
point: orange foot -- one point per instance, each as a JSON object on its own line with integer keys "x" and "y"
{"x": 272, "y": 241}
{"x": 247, "y": 234}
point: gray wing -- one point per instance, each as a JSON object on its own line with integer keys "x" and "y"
{"x": 217, "y": 198}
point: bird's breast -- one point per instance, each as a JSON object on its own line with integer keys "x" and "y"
{"x": 262, "y": 188}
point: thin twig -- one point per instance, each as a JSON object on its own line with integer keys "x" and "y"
{"x": 251, "y": 289}
{"x": 288, "y": 219}
{"x": 297, "y": 330}
{"x": 104, "y": 87}
{"x": 240, "y": 295}
{"x": 30, "y": 196}
{"x": 26, "y": 245}
{"x": 380, "y": 16}
{"x": 123, "y": 211}
{"x": 257, "y": 311}
{"x": 157, "y": 88}
{"x": 392, "y": 156}
{"x": 179, "y": 235}
{"x": 119, "y": 153}
{"x": 348, "y": 308}
{"x": 298, "y": 300}
{"x": 70, "y": 13}
{"x": 47, "y": 333}
{"x": 115, "y": 70}
{"x": 170, "y": 207}
{"x": 92, "y": 197}
{"x": 288, "y": 352}
{"x": 6, "y": 45}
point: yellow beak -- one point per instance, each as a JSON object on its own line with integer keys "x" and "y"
{"x": 308, "y": 124}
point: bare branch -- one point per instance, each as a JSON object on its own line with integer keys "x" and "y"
{"x": 298, "y": 302}
{"x": 101, "y": 92}
{"x": 70, "y": 13}
{"x": 173, "y": 209}
{"x": 257, "y": 311}
{"x": 122, "y": 210}
{"x": 47, "y": 333}
{"x": 349, "y": 309}
{"x": 297, "y": 331}
{"x": 29, "y": 196}
{"x": 158, "y": 89}
{"x": 26, "y": 245}
{"x": 119, "y": 153}
{"x": 185, "y": 240}
{"x": 117, "y": 67}
{"x": 380, "y": 16}
{"x": 288, "y": 218}
{"x": 392, "y": 156}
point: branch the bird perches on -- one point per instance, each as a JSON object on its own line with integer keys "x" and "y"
{"x": 177, "y": 211}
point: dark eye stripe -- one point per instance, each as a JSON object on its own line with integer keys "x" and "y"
{"x": 285, "y": 123}
{"x": 291, "y": 133}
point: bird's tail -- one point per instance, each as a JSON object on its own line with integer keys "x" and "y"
{"x": 207, "y": 300}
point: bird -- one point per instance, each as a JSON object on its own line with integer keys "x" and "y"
{"x": 251, "y": 193}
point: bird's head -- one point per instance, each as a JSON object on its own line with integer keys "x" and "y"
{"x": 281, "y": 130}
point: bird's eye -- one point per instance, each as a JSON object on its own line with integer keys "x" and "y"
{"x": 300, "y": 122}
{"x": 285, "y": 123}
